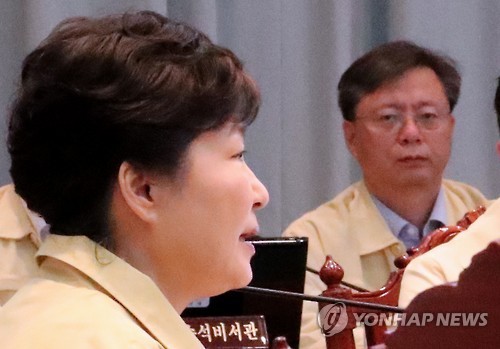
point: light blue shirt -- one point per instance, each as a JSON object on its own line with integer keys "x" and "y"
{"x": 407, "y": 232}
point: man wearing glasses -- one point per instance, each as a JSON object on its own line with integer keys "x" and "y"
{"x": 397, "y": 102}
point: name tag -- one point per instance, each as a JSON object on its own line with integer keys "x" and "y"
{"x": 230, "y": 331}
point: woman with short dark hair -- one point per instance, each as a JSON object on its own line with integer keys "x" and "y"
{"x": 127, "y": 136}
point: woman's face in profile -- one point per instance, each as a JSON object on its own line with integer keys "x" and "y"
{"x": 207, "y": 214}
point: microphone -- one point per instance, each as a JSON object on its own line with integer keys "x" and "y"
{"x": 320, "y": 299}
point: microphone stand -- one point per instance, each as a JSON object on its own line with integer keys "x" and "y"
{"x": 318, "y": 299}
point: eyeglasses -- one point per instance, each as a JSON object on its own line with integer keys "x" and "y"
{"x": 395, "y": 121}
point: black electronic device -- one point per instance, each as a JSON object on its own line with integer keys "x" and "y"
{"x": 278, "y": 263}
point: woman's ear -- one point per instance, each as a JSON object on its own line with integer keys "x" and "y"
{"x": 135, "y": 186}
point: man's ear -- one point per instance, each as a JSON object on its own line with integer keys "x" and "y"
{"x": 135, "y": 185}
{"x": 452, "y": 119}
{"x": 350, "y": 136}
{"x": 498, "y": 148}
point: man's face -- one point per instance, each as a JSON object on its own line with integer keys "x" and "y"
{"x": 401, "y": 135}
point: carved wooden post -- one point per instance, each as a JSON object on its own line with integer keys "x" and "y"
{"x": 337, "y": 336}
{"x": 280, "y": 343}
{"x": 331, "y": 274}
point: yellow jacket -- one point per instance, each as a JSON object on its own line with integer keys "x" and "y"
{"x": 445, "y": 263}
{"x": 19, "y": 240}
{"x": 351, "y": 229}
{"x": 86, "y": 297}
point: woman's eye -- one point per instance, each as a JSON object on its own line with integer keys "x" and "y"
{"x": 240, "y": 155}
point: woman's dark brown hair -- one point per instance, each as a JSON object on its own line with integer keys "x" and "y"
{"x": 137, "y": 87}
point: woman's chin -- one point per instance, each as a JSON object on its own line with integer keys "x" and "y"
{"x": 243, "y": 279}
{"x": 248, "y": 279}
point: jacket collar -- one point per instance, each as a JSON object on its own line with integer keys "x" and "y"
{"x": 371, "y": 231}
{"x": 135, "y": 291}
{"x": 16, "y": 221}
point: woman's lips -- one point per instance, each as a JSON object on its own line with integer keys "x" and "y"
{"x": 250, "y": 233}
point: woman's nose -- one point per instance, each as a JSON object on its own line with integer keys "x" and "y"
{"x": 261, "y": 194}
